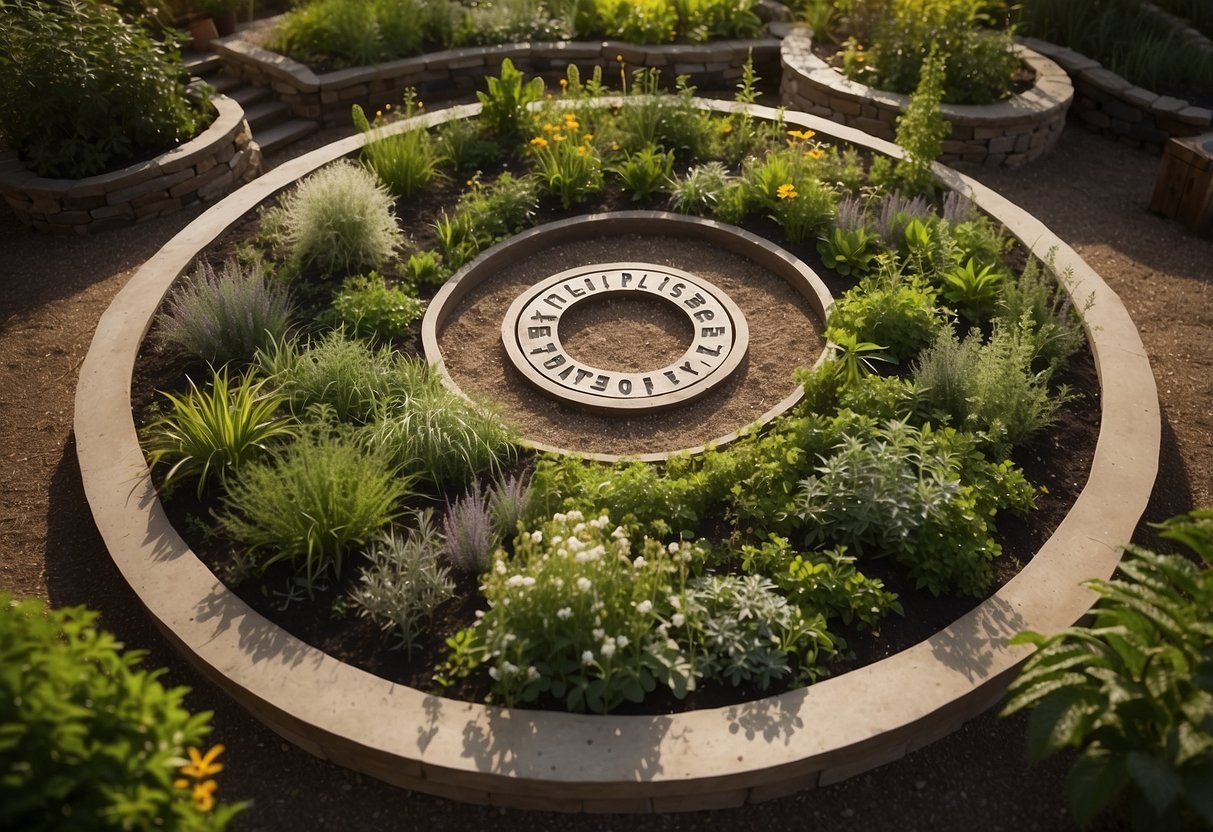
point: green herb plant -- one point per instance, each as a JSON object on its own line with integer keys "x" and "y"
{"x": 1132, "y": 691}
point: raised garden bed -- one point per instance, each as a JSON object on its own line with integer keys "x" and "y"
{"x": 716, "y": 757}
{"x": 456, "y": 73}
{"x": 220, "y": 159}
{"x": 1006, "y": 134}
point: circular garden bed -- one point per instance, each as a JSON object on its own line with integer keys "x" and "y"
{"x": 748, "y": 749}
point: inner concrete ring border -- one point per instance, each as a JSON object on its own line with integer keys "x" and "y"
{"x": 605, "y": 390}
{"x": 617, "y": 223}
{"x": 531, "y": 759}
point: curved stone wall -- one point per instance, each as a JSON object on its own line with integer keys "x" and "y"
{"x": 208, "y": 166}
{"x": 538, "y": 759}
{"x": 458, "y": 73}
{"x": 1009, "y": 133}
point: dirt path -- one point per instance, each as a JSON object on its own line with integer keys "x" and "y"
{"x": 1092, "y": 192}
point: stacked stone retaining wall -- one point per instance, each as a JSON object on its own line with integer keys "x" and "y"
{"x": 1109, "y": 104}
{"x": 456, "y": 74}
{"x": 221, "y": 158}
{"x": 1006, "y": 134}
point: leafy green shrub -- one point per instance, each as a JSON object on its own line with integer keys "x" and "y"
{"x": 367, "y": 308}
{"x": 645, "y": 172}
{"x": 437, "y": 435}
{"x": 980, "y": 61}
{"x": 463, "y": 147}
{"x": 82, "y": 90}
{"x": 403, "y": 582}
{"x": 1133, "y": 691}
{"x": 973, "y": 289}
{"x": 921, "y": 129}
{"x": 1037, "y": 297}
{"x": 925, "y": 497}
{"x": 346, "y": 33}
{"x": 847, "y": 252}
{"x": 582, "y": 616}
{"x": 825, "y": 582}
{"x": 90, "y": 740}
{"x": 426, "y": 268}
{"x": 991, "y": 386}
{"x": 888, "y": 308}
{"x": 783, "y": 184}
{"x": 405, "y": 162}
{"x": 210, "y": 436}
{"x": 484, "y": 216}
{"x": 340, "y": 220}
{"x": 226, "y": 316}
{"x": 567, "y": 165}
{"x": 315, "y": 502}
{"x": 748, "y": 632}
{"x": 504, "y": 103}
{"x": 636, "y": 21}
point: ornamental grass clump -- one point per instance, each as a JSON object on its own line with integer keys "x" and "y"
{"x": 403, "y": 581}
{"x": 405, "y": 162}
{"x": 340, "y": 220}
{"x": 312, "y": 504}
{"x": 436, "y": 435}
{"x": 211, "y": 435}
{"x": 91, "y": 740}
{"x": 226, "y": 316}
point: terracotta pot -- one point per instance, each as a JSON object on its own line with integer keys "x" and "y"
{"x": 203, "y": 31}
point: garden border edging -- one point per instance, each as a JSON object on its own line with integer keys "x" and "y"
{"x": 221, "y": 157}
{"x": 536, "y": 759}
{"x": 1110, "y": 105}
{"x": 1006, "y": 134}
{"x": 738, "y": 241}
{"x": 452, "y": 73}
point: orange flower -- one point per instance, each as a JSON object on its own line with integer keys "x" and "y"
{"x": 204, "y": 795}
{"x": 201, "y": 765}
{"x": 786, "y": 191}
{"x": 539, "y": 141}
{"x": 816, "y": 153}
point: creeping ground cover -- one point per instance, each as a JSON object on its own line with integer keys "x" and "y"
{"x": 322, "y": 468}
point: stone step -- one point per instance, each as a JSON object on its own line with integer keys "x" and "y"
{"x": 201, "y": 64}
{"x": 248, "y": 95}
{"x": 281, "y": 134}
{"x": 265, "y": 114}
{"x": 224, "y": 83}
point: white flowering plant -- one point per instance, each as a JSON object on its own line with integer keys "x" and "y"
{"x": 582, "y": 614}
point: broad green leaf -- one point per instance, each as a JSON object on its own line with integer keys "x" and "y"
{"x": 1059, "y": 721}
{"x": 1155, "y": 779}
{"x": 1095, "y": 781}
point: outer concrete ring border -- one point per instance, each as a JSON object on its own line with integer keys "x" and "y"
{"x": 735, "y": 240}
{"x": 701, "y": 759}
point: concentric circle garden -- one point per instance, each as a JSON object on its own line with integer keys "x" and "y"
{"x": 618, "y": 585}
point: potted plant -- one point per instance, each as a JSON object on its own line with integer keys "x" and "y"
{"x": 222, "y": 12}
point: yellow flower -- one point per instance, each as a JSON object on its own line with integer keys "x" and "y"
{"x": 572, "y": 126}
{"x": 387, "y": 107}
{"x": 204, "y": 795}
{"x": 786, "y": 191}
{"x": 420, "y": 105}
{"x": 201, "y": 765}
{"x": 614, "y": 145}
{"x": 379, "y": 114}
{"x": 471, "y": 182}
{"x": 539, "y": 141}
{"x": 580, "y": 150}
{"x": 619, "y": 58}
{"x": 802, "y": 134}
{"x": 181, "y": 783}
{"x": 727, "y": 128}
{"x": 548, "y": 127}
{"x": 557, "y": 137}
{"x": 564, "y": 83}
{"x": 816, "y": 153}
{"x": 588, "y": 137}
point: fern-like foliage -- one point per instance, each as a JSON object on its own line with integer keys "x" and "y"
{"x": 1134, "y": 690}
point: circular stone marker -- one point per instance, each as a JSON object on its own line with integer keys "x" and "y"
{"x": 531, "y": 334}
